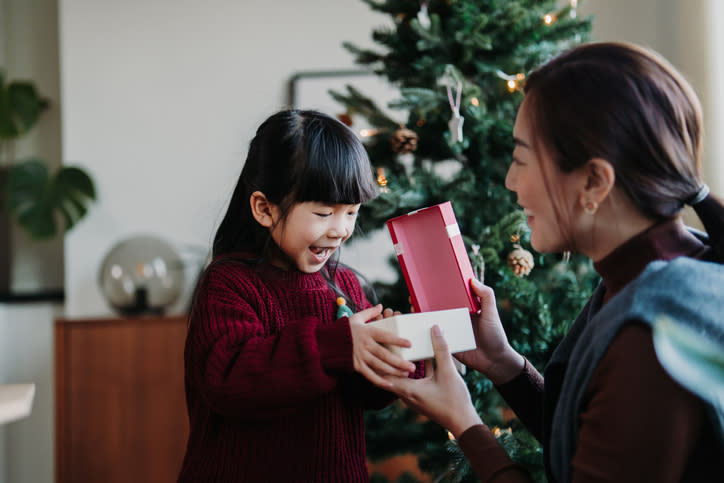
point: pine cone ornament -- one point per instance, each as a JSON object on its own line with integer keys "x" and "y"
{"x": 520, "y": 261}
{"x": 345, "y": 118}
{"x": 404, "y": 140}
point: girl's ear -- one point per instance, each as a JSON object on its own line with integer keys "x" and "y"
{"x": 262, "y": 209}
{"x": 599, "y": 180}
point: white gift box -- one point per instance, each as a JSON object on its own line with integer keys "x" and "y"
{"x": 457, "y": 329}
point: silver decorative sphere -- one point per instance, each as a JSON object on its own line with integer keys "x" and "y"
{"x": 141, "y": 275}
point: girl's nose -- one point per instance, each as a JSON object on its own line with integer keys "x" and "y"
{"x": 340, "y": 229}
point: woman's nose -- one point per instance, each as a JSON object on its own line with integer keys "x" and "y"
{"x": 509, "y": 179}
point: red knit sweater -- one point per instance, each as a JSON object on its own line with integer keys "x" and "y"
{"x": 270, "y": 387}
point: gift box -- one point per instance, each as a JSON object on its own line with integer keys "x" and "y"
{"x": 454, "y": 323}
{"x": 433, "y": 258}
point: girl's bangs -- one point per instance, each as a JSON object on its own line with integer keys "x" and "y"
{"x": 337, "y": 171}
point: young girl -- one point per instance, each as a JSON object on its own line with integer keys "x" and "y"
{"x": 607, "y": 153}
{"x": 274, "y": 382}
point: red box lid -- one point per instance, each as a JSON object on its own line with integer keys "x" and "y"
{"x": 433, "y": 258}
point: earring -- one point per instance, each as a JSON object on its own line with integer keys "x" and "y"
{"x": 590, "y": 207}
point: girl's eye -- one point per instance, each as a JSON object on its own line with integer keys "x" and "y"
{"x": 352, "y": 213}
{"x": 323, "y": 215}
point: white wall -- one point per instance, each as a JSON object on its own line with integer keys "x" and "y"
{"x": 688, "y": 33}
{"x": 160, "y": 100}
{"x": 26, "y": 356}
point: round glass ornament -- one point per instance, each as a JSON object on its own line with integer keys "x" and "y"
{"x": 141, "y": 275}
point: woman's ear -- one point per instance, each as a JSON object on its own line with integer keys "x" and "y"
{"x": 262, "y": 209}
{"x": 599, "y": 180}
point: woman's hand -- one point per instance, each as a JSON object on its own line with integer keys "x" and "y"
{"x": 493, "y": 356}
{"x": 371, "y": 358}
{"x": 442, "y": 394}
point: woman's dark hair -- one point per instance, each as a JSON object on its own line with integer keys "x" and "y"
{"x": 628, "y": 105}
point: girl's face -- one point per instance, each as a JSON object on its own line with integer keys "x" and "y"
{"x": 528, "y": 176}
{"x": 311, "y": 232}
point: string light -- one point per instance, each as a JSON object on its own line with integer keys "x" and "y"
{"x": 475, "y": 102}
{"x": 499, "y": 432}
{"x": 382, "y": 180}
{"x": 514, "y": 82}
{"x": 550, "y": 18}
{"x": 365, "y": 133}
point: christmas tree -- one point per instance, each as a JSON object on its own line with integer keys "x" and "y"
{"x": 460, "y": 66}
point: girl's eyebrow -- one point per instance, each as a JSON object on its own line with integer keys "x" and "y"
{"x": 520, "y": 142}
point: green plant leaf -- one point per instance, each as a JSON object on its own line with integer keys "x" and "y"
{"x": 34, "y": 197}
{"x": 20, "y": 107}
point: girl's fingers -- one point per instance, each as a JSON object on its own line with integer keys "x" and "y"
{"x": 367, "y": 314}
{"x": 382, "y": 336}
{"x": 386, "y": 361}
{"x": 381, "y": 366}
{"x": 374, "y": 378}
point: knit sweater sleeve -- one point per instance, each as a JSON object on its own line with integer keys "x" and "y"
{"x": 244, "y": 369}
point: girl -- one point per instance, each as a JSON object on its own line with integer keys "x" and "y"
{"x": 607, "y": 152}
{"x": 274, "y": 384}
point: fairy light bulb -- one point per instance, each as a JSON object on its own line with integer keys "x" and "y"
{"x": 382, "y": 180}
{"x": 474, "y": 101}
{"x": 549, "y": 18}
{"x": 512, "y": 82}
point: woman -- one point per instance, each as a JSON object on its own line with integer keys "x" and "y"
{"x": 607, "y": 153}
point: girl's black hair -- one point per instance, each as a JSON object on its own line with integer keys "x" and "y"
{"x": 295, "y": 156}
{"x": 628, "y": 105}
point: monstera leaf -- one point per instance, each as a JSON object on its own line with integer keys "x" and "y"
{"x": 20, "y": 107}
{"x": 38, "y": 200}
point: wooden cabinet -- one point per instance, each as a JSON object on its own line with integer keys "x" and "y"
{"x": 120, "y": 401}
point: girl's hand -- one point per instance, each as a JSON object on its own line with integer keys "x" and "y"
{"x": 442, "y": 394}
{"x": 493, "y": 356}
{"x": 371, "y": 358}
{"x": 388, "y": 312}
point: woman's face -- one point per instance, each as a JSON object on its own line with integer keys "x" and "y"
{"x": 541, "y": 188}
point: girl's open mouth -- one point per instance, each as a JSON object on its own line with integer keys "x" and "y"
{"x": 321, "y": 253}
